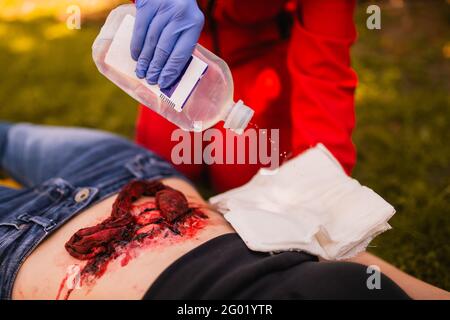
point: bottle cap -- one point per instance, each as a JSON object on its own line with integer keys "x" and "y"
{"x": 239, "y": 117}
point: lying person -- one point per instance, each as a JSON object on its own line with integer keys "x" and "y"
{"x": 101, "y": 218}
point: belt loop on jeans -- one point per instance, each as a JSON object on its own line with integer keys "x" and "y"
{"x": 45, "y": 223}
{"x": 56, "y": 188}
{"x": 144, "y": 166}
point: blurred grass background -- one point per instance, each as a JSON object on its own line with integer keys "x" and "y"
{"x": 403, "y": 107}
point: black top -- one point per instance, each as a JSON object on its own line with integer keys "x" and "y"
{"x": 224, "y": 268}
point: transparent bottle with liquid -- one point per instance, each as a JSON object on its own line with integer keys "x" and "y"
{"x": 201, "y": 97}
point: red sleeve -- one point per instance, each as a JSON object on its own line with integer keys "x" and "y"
{"x": 323, "y": 82}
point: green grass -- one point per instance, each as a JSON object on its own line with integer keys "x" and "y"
{"x": 403, "y": 134}
{"x": 55, "y": 80}
{"x": 403, "y": 114}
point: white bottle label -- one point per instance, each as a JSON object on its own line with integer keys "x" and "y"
{"x": 119, "y": 58}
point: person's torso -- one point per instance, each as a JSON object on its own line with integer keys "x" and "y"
{"x": 47, "y": 272}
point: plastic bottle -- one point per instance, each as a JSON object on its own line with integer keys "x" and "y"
{"x": 208, "y": 97}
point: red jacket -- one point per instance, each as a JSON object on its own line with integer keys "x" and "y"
{"x": 291, "y": 63}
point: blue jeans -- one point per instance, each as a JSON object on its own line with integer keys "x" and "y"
{"x": 63, "y": 171}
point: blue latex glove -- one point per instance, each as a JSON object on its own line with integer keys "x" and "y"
{"x": 164, "y": 37}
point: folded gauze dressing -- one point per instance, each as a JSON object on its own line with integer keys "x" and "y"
{"x": 309, "y": 204}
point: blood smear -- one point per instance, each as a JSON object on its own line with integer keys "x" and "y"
{"x": 145, "y": 237}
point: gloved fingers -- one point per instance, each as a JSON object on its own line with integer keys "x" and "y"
{"x": 182, "y": 49}
{"x": 158, "y": 27}
{"x": 159, "y": 59}
{"x": 144, "y": 17}
{"x": 178, "y": 58}
{"x": 166, "y": 43}
{"x": 153, "y": 35}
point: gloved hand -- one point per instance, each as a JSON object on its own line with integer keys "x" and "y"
{"x": 164, "y": 37}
